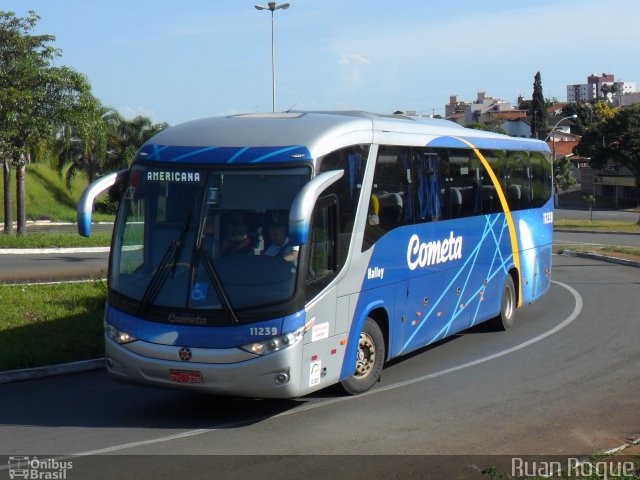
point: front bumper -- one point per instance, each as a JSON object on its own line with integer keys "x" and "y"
{"x": 253, "y": 377}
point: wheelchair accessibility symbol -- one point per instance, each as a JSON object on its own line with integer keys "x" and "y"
{"x": 199, "y": 292}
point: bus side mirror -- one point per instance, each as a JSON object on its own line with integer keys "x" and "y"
{"x": 85, "y": 204}
{"x": 302, "y": 206}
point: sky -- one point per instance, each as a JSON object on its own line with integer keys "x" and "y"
{"x": 179, "y": 60}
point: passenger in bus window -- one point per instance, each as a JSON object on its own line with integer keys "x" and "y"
{"x": 237, "y": 238}
{"x": 279, "y": 244}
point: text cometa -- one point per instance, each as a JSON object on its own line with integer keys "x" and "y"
{"x": 422, "y": 254}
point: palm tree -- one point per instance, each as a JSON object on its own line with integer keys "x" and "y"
{"x": 87, "y": 139}
{"x": 131, "y": 135}
{"x": 97, "y": 139}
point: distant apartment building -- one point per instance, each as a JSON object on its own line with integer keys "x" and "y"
{"x": 594, "y": 88}
{"x": 454, "y": 106}
{"x": 626, "y": 100}
{"x": 479, "y": 110}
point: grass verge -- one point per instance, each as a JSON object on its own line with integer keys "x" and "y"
{"x": 47, "y": 196}
{"x": 595, "y": 226}
{"x": 49, "y": 324}
{"x": 55, "y": 240}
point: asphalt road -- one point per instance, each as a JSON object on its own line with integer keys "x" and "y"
{"x": 47, "y": 267}
{"x": 593, "y": 238}
{"x": 564, "y": 380}
{"x": 610, "y": 215}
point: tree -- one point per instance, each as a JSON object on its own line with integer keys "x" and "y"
{"x": 34, "y": 100}
{"x": 585, "y": 113}
{"x": 616, "y": 139}
{"x": 83, "y": 142}
{"x": 538, "y": 109}
{"x": 563, "y": 173}
{"x": 97, "y": 140}
{"x": 603, "y": 111}
{"x": 524, "y": 105}
{"x": 132, "y": 134}
{"x": 608, "y": 89}
{"x": 590, "y": 200}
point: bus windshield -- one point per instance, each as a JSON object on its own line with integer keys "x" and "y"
{"x": 194, "y": 238}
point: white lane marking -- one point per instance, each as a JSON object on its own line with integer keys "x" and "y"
{"x": 574, "y": 314}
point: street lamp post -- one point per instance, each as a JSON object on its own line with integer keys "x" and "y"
{"x": 272, "y": 7}
{"x": 558, "y": 123}
{"x": 553, "y": 164}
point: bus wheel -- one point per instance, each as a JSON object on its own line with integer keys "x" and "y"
{"x": 369, "y": 359}
{"x": 504, "y": 321}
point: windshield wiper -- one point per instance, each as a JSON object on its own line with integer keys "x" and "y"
{"x": 161, "y": 274}
{"x": 217, "y": 283}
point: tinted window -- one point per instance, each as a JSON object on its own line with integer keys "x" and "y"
{"x": 430, "y": 171}
{"x": 322, "y": 255}
{"x": 518, "y": 189}
{"x": 413, "y": 184}
{"x": 489, "y": 199}
{"x": 391, "y": 203}
{"x": 347, "y": 190}
{"x": 176, "y": 225}
{"x": 463, "y": 184}
{"x": 540, "y": 179}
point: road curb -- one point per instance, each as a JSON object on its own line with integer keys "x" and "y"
{"x": 603, "y": 258}
{"x": 51, "y": 370}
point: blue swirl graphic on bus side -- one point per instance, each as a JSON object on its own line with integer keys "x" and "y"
{"x": 430, "y": 293}
{"x": 430, "y": 303}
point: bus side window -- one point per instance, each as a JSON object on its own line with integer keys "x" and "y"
{"x": 352, "y": 160}
{"x": 489, "y": 199}
{"x": 391, "y": 201}
{"x": 464, "y": 183}
{"x": 540, "y": 179}
{"x": 518, "y": 190}
{"x": 323, "y": 253}
{"x": 432, "y": 200}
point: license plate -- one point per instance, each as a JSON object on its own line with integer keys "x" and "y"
{"x": 185, "y": 376}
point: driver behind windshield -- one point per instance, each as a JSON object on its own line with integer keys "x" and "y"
{"x": 279, "y": 245}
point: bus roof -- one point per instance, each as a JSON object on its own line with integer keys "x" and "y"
{"x": 255, "y": 137}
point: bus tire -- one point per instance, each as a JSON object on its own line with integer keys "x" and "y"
{"x": 504, "y": 321}
{"x": 369, "y": 359}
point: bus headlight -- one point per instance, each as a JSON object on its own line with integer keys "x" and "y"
{"x": 276, "y": 343}
{"x": 118, "y": 336}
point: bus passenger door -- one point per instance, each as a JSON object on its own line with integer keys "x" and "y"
{"x": 321, "y": 356}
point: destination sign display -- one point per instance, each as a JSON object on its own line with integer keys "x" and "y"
{"x": 175, "y": 176}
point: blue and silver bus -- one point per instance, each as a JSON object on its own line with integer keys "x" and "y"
{"x": 272, "y": 255}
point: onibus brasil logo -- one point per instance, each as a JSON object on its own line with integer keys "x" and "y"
{"x": 32, "y": 468}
